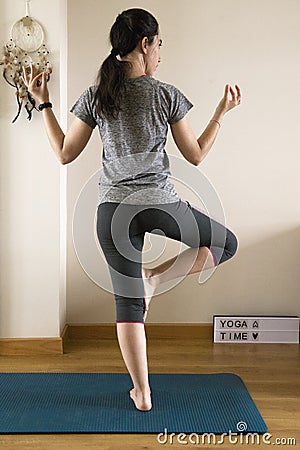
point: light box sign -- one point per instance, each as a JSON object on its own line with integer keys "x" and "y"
{"x": 256, "y": 329}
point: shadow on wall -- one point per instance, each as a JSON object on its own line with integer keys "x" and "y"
{"x": 88, "y": 303}
{"x": 274, "y": 273}
{"x": 4, "y": 87}
{"x": 247, "y": 284}
{"x": 263, "y": 278}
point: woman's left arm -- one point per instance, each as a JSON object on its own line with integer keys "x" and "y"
{"x": 194, "y": 150}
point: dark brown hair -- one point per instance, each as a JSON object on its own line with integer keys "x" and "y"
{"x": 129, "y": 28}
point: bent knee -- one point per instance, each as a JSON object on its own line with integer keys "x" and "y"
{"x": 231, "y": 243}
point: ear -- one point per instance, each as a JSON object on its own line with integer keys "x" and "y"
{"x": 144, "y": 45}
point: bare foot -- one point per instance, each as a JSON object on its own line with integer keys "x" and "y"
{"x": 141, "y": 400}
{"x": 150, "y": 283}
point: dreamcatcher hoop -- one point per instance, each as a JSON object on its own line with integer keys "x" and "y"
{"x": 26, "y": 47}
{"x": 27, "y": 34}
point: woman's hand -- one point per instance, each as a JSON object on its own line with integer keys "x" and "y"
{"x": 36, "y": 85}
{"x": 230, "y": 100}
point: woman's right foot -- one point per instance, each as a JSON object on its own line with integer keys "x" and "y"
{"x": 150, "y": 284}
{"x": 141, "y": 400}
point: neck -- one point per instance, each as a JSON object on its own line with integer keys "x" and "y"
{"x": 138, "y": 67}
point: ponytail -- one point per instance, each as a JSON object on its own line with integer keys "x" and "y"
{"x": 129, "y": 28}
{"x": 111, "y": 86}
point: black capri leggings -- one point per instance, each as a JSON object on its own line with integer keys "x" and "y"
{"x": 121, "y": 230}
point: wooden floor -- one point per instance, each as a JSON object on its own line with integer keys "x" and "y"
{"x": 271, "y": 373}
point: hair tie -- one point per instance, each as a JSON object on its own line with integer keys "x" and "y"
{"x": 114, "y": 52}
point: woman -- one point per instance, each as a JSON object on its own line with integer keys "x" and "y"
{"x": 133, "y": 111}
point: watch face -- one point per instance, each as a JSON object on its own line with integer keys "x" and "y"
{"x": 27, "y": 34}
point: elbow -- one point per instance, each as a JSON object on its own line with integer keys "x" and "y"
{"x": 197, "y": 157}
{"x": 63, "y": 158}
{"x": 63, "y": 155}
{"x": 63, "y": 161}
{"x": 196, "y": 160}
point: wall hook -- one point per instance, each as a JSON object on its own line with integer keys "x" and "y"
{"x": 27, "y": 13}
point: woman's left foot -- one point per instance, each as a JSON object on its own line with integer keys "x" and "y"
{"x": 142, "y": 400}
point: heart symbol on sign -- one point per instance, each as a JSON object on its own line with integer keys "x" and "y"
{"x": 255, "y": 335}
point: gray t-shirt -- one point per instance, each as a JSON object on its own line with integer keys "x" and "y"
{"x": 135, "y": 164}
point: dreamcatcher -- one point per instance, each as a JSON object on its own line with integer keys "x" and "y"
{"x": 26, "y": 47}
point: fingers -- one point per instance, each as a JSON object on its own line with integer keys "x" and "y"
{"x": 227, "y": 90}
{"x": 25, "y": 76}
{"x": 29, "y": 80}
{"x": 28, "y": 74}
{"x": 236, "y": 96}
{"x": 146, "y": 309}
{"x": 239, "y": 94}
{"x": 37, "y": 77}
{"x": 238, "y": 90}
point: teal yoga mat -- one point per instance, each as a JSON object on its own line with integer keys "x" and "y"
{"x": 100, "y": 403}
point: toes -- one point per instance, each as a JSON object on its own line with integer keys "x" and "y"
{"x": 131, "y": 394}
{"x": 145, "y": 309}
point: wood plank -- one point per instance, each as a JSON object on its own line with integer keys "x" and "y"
{"x": 153, "y": 331}
{"x": 31, "y": 346}
{"x": 271, "y": 373}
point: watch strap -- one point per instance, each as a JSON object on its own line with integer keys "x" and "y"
{"x": 45, "y": 105}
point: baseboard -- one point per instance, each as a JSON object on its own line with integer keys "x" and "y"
{"x": 31, "y": 346}
{"x": 153, "y": 331}
{"x": 54, "y": 346}
{"x": 179, "y": 330}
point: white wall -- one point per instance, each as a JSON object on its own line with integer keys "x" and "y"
{"x": 30, "y": 189}
{"x": 254, "y": 165}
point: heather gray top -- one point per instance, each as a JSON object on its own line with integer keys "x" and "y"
{"x": 135, "y": 164}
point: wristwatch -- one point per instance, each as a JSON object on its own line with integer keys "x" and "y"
{"x": 45, "y": 105}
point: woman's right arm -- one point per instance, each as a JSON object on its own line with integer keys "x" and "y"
{"x": 67, "y": 147}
